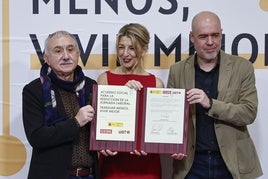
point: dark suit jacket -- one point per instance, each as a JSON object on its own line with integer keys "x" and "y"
{"x": 51, "y": 145}
{"x": 234, "y": 109}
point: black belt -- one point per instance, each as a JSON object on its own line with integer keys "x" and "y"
{"x": 208, "y": 152}
{"x": 81, "y": 171}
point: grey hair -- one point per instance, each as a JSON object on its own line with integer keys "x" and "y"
{"x": 58, "y": 33}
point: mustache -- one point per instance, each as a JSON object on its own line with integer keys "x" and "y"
{"x": 66, "y": 61}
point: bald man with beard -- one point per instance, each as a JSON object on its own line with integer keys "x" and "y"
{"x": 223, "y": 99}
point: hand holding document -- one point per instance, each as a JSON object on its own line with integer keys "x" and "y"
{"x": 154, "y": 120}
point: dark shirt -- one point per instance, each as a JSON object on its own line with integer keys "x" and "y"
{"x": 205, "y": 132}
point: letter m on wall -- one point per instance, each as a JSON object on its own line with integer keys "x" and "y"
{"x": 36, "y": 6}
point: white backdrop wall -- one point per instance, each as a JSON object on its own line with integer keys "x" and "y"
{"x": 26, "y": 24}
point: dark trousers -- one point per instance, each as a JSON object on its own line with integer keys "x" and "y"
{"x": 208, "y": 165}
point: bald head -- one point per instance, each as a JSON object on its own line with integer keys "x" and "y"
{"x": 206, "y": 35}
{"x": 205, "y": 17}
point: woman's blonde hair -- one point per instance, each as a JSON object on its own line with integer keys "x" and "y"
{"x": 138, "y": 34}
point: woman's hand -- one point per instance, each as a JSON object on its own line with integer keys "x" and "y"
{"x": 141, "y": 153}
{"x": 107, "y": 153}
{"x": 133, "y": 84}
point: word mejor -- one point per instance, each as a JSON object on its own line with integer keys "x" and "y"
{"x": 159, "y": 47}
{"x": 130, "y": 5}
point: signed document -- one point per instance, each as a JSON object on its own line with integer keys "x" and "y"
{"x": 154, "y": 120}
{"x": 164, "y": 115}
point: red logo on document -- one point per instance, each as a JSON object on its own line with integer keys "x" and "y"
{"x": 106, "y": 131}
{"x": 166, "y": 92}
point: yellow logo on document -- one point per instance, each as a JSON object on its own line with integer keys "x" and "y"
{"x": 155, "y": 91}
{"x": 116, "y": 124}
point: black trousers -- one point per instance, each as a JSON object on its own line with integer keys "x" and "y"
{"x": 208, "y": 165}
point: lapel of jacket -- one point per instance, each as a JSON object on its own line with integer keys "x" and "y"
{"x": 190, "y": 83}
{"x": 189, "y": 73}
{"x": 224, "y": 75}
